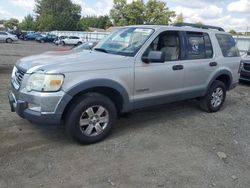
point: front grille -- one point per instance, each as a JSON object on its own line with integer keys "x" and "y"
{"x": 247, "y": 66}
{"x": 245, "y": 77}
{"x": 18, "y": 77}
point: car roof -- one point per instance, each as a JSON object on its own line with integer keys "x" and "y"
{"x": 183, "y": 28}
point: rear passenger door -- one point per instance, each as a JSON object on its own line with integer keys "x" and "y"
{"x": 71, "y": 40}
{"x": 199, "y": 63}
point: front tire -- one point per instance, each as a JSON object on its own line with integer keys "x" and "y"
{"x": 215, "y": 97}
{"x": 90, "y": 118}
{"x": 9, "y": 40}
{"x": 79, "y": 43}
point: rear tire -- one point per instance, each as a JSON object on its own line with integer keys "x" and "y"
{"x": 215, "y": 97}
{"x": 9, "y": 40}
{"x": 90, "y": 118}
{"x": 79, "y": 43}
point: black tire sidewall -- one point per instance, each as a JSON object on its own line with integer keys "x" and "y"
{"x": 9, "y": 40}
{"x": 215, "y": 85}
{"x": 76, "y": 110}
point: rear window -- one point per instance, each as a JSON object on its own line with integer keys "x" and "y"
{"x": 227, "y": 45}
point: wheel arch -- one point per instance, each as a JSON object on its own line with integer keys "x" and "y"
{"x": 223, "y": 75}
{"x": 6, "y": 40}
{"x": 111, "y": 89}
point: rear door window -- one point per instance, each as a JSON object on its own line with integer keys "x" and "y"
{"x": 227, "y": 45}
{"x": 198, "y": 46}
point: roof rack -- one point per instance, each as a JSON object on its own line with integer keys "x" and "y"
{"x": 198, "y": 26}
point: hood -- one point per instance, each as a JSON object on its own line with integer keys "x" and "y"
{"x": 246, "y": 58}
{"x": 71, "y": 61}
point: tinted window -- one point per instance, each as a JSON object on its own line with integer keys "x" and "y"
{"x": 196, "y": 48}
{"x": 227, "y": 45}
{"x": 3, "y": 33}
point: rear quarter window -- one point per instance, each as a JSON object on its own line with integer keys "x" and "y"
{"x": 227, "y": 45}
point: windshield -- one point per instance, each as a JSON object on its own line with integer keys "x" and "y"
{"x": 125, "y": 41}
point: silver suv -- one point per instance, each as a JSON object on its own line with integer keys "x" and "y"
{"x": 134, "y": 67}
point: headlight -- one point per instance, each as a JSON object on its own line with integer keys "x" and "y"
{"x": 44, "y": 82}
{"x": 241, "y": 66}
{"x": 13, "y": 72}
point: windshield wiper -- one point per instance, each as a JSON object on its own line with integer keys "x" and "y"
{"x": 101, "y": 50}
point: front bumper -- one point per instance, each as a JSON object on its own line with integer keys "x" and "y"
{"x": 49, "y": 106}
{"x": 21, "y": 108}
{"x": 245, "y": 75}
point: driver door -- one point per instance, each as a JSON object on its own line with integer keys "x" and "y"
{"x": 160, "y": 82}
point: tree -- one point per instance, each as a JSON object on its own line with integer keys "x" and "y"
{"x": 57, "y": 15}
{"x": 28, "y": 23}
{"x": 199, "y": 23}
{"x": 157, "y": 12}
{"x": 153, "y": 12}
{"x": 102, "y": 22}
{"x": 179, "y": 18}
{"x": 117, "y": 13}
{"x": 233, "y": 32}
{"x": 11, "y": 23}
{"x": 134, "y": 13}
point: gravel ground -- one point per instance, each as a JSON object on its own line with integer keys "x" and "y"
{"x": 175, "y": 145}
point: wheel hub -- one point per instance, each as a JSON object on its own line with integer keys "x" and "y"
{"x": 217, "y": 97}
{"x": 94, "y": 120}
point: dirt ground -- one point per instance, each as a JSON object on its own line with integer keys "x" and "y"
{"x": 173, "y": 146}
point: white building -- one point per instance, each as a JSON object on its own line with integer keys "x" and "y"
{"x": 243, "y": 43}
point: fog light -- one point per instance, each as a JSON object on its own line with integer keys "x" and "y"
{"x": 35, "y": 107}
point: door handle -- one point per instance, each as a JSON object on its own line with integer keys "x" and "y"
{"x": 213, "y": 64}
{"x": 178, "y": 67}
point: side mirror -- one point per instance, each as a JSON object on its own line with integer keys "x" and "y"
{"x": 154, "y": 57}
{"x": 248, "y": 53}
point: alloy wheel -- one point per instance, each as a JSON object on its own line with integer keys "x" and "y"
{"x": 94, "y": 120}
{"x": 217, "y": 97}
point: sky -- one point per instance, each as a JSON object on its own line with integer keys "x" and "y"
{"x": 229, "y": 14}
